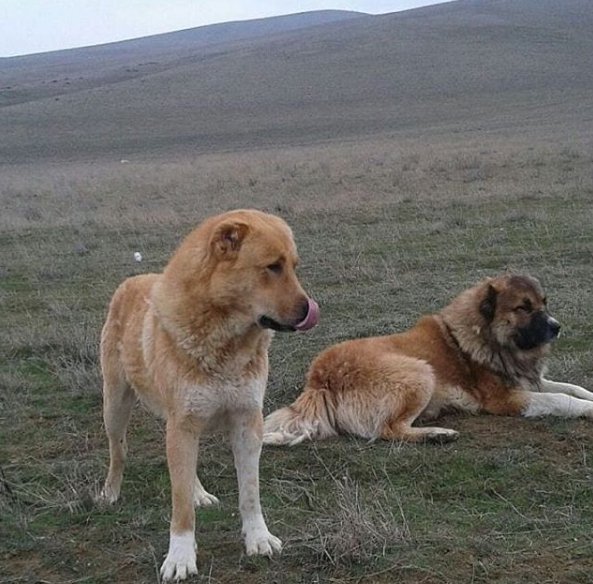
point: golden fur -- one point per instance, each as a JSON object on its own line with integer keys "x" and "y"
{"x": 483, "y": 353}
{"x": 192, "y": 343}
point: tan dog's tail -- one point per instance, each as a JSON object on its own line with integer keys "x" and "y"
{"x": 308, "y": 418}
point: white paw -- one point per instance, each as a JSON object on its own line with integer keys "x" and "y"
{"x": 181, "y": 559}
{"x": 108, "y": 496}
{"x": 442, "y": 435}
{"x": 203, "y": 498}
{"x": 261, "y": 542}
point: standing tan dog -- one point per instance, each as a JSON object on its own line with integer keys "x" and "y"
{"x": 483, "y": 353}
{"x": 192, "y": 343}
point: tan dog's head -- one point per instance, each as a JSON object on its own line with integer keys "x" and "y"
{"x": 514, "y": 308}
{"x": 241, "y": 265}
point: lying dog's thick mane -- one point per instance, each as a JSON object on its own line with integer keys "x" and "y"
{"x": 469, "y": 320}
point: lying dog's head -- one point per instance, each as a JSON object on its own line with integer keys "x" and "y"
{"x": 241, "y": 266}
{"x": 514, "y": 308}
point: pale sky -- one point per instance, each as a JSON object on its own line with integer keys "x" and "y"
{"x": 35, "y": 26}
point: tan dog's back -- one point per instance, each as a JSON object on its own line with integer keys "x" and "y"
{"x": 121, "y": 349}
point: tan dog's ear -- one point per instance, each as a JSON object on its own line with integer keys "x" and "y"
{"x": 228, "y": 237}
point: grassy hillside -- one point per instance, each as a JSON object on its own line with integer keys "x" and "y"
{"x": 472, "y": 66}
{"x": 35, "y": 77}
{"x": 412, "y": 154}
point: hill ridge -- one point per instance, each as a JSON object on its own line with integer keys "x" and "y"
{"x": 465, "y": 64}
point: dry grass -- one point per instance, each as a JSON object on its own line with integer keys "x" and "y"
{"x": 385, "y": 233}
{"x": 372, "y": 173}
{"x": 359, "y": 527}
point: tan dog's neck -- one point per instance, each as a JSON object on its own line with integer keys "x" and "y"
{"x": 214, "y": 342}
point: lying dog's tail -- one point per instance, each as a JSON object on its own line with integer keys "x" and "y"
{"x": 310, "y": 417}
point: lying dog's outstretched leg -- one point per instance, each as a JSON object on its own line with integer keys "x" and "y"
{"x": 556, "y": 404}
{"x": 246, "y": 440}
{"x": 549, "y": 386}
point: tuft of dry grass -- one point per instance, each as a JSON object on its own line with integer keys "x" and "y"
{"x": 74, "y": 355}
{"x": 359, "y": 527}
{"x": 65, "y": 341}
{"x": 65, "y": 488}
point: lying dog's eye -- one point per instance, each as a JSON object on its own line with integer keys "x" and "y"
{"x": 275, "y": 268}
{"x": 526, "y": 306}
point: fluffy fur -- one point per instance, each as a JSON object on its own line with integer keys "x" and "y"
{"x": 483, "y": 353}
{"x": 192, "y": 343}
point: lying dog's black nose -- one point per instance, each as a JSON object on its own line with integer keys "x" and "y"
{"x": 554, "y": 327}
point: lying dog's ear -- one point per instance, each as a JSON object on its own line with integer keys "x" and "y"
{"x": 228, "y": 237}
{"x": 488, "y": 304}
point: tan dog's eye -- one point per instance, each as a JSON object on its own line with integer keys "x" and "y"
{"x": 275, "y": 268}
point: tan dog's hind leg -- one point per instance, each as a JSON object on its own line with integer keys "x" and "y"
{"x": 202, "y": 498}
{"x": 182, "y": 458}
{"x": 118, "y": 400}
{"x": 246, "y": 440}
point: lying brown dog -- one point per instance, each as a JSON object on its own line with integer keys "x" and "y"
{"x": 192, "y": 343}
{"x": 483, "y": 353}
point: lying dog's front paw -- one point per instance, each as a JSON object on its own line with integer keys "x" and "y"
{"x": 262, "y": 543}
{"x": 181, "y": 559}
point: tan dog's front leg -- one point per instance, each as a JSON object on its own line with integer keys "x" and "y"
{"x": 182, "y": 458}
{"x": 246, "y": 440}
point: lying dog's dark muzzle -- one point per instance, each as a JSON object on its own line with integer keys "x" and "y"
{"x": 541, "y": 330}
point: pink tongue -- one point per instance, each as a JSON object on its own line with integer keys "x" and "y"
{"x": 312, "y": 317}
